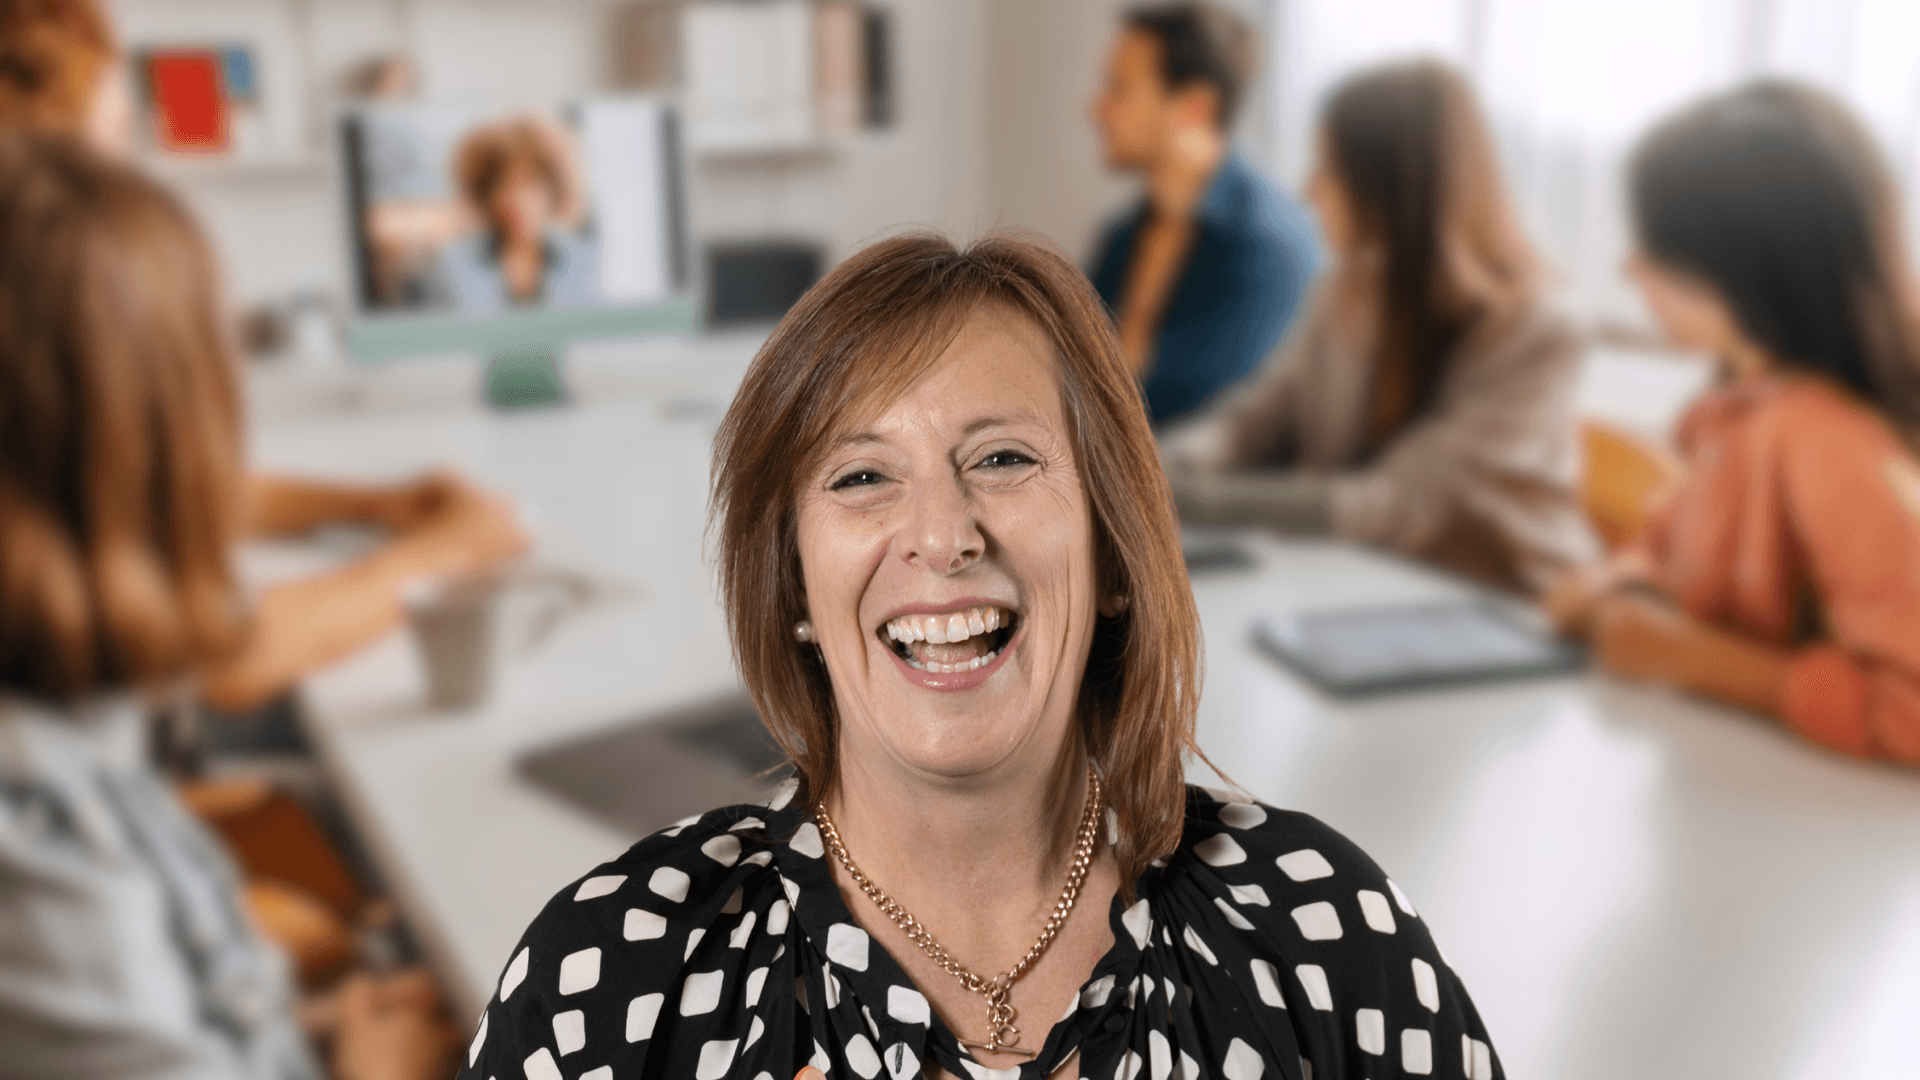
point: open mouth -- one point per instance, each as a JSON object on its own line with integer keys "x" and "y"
{"x": 951, "y": 642}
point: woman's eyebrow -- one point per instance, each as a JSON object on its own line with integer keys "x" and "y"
{"x": 1010, "y": 419}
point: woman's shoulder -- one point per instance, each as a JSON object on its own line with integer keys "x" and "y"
{"x": 689, "y": 918}
{"x": 657, "y": 900}
{"x": 1791, "y": 417}
{"x": 1529, "y": 332}
{"x": 1305, "y": 921}
{"x": 1226, "y": 829}
{"x": 1292, "y": 880}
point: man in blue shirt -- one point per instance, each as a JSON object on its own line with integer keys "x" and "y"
{"x": 1204, "y": 274}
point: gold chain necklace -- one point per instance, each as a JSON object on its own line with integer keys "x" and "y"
{"x": 1002, "y": 1036}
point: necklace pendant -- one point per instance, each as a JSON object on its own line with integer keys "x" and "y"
{"x": 992, "y": 1047}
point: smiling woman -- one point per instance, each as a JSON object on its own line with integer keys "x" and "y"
{"x": 954, "y": 585}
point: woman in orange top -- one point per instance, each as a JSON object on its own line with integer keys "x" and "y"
{"x": 1784, "y": 573}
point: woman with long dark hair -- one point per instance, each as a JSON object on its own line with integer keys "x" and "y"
{"x": 1784, "y": 574}
{"x": 1425, "y": 404}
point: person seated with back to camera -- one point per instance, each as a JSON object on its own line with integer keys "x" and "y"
{"x": 125, "y": 946}
{"x": 1425, "y": 403}
{"x": 954, "y": 587}
{"x": 1784, "y": 572}
{"x": 1203, "y": 274}
{"x": 60, "y": 71}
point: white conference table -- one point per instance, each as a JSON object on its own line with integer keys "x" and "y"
{"x": 1630, "y": 884}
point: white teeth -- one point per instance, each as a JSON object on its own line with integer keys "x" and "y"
{"x": 950, "y": 628}
{"x": 974, "y": 664}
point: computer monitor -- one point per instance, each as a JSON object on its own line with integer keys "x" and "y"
{"x": 511, "y": 233}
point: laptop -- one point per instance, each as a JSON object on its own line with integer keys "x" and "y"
{"x": 641, "y": 776}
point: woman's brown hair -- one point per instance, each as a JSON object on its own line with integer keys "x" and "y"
{"x": 51, "y": 56}
{"x": 856, "y": 341}
{"x": 532, "y": 142}
{"x": 1407, "y": 144}
{"x": 119, "y": 430}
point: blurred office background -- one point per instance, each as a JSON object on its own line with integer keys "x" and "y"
{"x": 1591, "y": 852}
{"x": 985, "y": 115}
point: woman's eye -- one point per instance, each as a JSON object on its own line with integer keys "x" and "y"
{"x": 856, "y": 478}
{"x": 1005, "y": 459}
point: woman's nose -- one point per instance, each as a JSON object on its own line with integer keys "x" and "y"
{"x": 944, "y": 537}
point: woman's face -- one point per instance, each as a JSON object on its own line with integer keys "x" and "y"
{"x": 1134, "y": 112}
{"x": 521, "y": 204}
{"x": 1330, "y": 203}
{"x": 947, "y": 550}
{"x": 1689, "y": 310}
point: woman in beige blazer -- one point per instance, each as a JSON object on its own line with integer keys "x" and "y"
{"x": 1425, "y": 404}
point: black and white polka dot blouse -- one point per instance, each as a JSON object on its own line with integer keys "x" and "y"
{"x": 1267, "y": 946}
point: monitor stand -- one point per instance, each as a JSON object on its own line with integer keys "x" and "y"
{"x": 524, "y": 377}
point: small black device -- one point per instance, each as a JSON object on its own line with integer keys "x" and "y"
{"x": 753, "y": 283}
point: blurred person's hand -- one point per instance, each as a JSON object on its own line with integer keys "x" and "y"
{"x": 300, "y": 626}
{"x": 383, "y": 1032}
{"x": 1639, "y": 636}
{"x": 462, "y": 529}
{"x": 412, "y": 987}
{"x": 1573, "y": 599}
{"x": 405, "y": 507}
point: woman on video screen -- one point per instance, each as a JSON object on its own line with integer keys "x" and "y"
{"x": 518, "y": 179}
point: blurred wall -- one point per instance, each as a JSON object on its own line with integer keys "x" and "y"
{"x": 929, "y": 169}
{"x": 276, "y": 217}
{"x": 991, "y": 102}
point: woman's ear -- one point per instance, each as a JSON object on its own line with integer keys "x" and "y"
{"x": 1112, "y": 604}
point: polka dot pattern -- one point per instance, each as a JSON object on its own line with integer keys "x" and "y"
{"x": 643, "y": 925}
{"x": 1416, "y": 1051}
{"x": 642, "y": 1013}
{"x": 595, "y": 887}
{"x": 1266, "y": 946}
{"x": 670, "y": 883}
{"x": 479, "y": 1040}
{"x": 1370, "y": 1030}
{"x": 1373, "y": 906}
{"x": 580, "y": 971}
{"x": 570, "y": 1031}
{"x": 515, "y": 974}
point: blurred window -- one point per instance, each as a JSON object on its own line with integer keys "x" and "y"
{"x": 1570, "y": 84}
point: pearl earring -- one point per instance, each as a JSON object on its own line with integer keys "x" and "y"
{"x": 803, "y": 631}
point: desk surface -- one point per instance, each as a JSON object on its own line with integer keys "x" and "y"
{"x": 1629, "y": 883}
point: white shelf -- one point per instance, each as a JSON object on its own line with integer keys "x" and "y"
{"x": 168, "y": 167}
